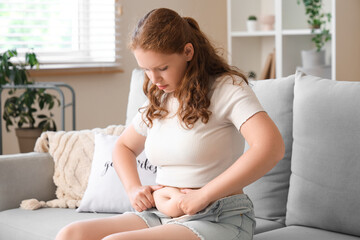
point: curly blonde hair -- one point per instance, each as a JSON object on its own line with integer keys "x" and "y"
{"x": 164, "y": 31}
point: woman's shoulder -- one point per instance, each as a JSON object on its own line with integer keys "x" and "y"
{"x": 227, "y": 82}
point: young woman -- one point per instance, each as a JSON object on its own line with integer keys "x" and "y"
{"x": 193, "y": 127}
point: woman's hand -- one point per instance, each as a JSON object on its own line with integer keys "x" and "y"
{"x": 141, "y": 197}
{"x": 192, "y": 201}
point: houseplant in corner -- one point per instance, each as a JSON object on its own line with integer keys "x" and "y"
{"x": 317, "y": 20}
{"x": 21, "y": 108}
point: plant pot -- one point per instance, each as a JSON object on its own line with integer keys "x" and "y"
{"x": 27, "y": 138}
{"x": 251, "y": 25}
{"x": 314, "y": 27}
{"x": 267, "y": 22}
{"x": 312, "y": 58}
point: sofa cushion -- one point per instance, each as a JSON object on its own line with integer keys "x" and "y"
{"x": 325, "y": 184}
{"x": 269, "y": 193}
{"x": 42, "y": 224}
{"x": 301, "y": 233}
{"x": 136, "y": 95}
{"x": 263, "y": 225}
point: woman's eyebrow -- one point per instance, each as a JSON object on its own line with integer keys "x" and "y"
{"x": 157, "y": 67}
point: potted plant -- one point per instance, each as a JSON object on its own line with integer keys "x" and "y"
{"x": 251, "y": 23}
{"x": 317, "y": 20}
{"x": 251, "y": 75}
{"x": 21, "y": 108}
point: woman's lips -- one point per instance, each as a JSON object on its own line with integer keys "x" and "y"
{"x": 161, "y": 87}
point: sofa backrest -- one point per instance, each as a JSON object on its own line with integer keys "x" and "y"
{"x": 269, "y": 193}
{"x": 325, "y": 181}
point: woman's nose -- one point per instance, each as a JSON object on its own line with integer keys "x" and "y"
{"x": 154, "y": 77}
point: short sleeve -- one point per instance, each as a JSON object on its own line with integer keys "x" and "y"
{"x": 139, "y": 124}
{"x": 236, "y": 101}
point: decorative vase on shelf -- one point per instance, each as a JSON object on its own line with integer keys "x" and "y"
{"x": 313, "y": 63}
{"x": 251, "y": 23}
{"x": 267, "y": 22}
{"x": 312, "y": 58}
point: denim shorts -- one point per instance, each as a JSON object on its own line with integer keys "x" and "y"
{"x": 228, "y": 218}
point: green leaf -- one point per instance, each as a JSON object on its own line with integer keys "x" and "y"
{"x": 51, "y": 105}
{"x": 31, "y": 59}
{"x": 46, "y": 126}
{"x": 41, "y": 104}
{"x": 42, "y": 123}
{"x": 42, "y": 116}
{"x": 54, "y": 126}
{"x": 41, "y": 90}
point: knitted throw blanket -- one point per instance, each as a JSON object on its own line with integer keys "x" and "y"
{"x": 72, "y": 153}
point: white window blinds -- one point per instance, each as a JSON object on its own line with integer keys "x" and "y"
{"x": 72, "y": 32}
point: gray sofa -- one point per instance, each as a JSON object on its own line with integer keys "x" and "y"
{"x": 313, "y": 193}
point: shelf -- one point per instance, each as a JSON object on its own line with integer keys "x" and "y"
{"x": 252, "y": 34}
{"x": 290, "y": 32}
{"x": 298, "y": 32}
{"x": 290, "y": 35}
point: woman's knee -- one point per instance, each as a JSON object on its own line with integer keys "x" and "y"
{"x": 118, "y": 236}
{"x": 74, "y": 231}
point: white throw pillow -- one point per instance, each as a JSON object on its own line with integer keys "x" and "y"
{"x": 105, "y": 192}
{"x": 136, "y": 94}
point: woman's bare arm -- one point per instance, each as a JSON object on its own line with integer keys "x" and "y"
{"x": 129, "y": 145}
{"x": 266, "y": 149}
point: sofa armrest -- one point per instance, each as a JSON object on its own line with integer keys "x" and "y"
{"x": 24, "y": 176}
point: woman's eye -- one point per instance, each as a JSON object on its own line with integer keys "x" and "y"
{"x": 163, "y": 69}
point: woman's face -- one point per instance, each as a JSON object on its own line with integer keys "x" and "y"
{"x": 166, "y": 71}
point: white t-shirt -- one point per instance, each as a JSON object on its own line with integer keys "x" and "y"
{"x": 190, "y": 158}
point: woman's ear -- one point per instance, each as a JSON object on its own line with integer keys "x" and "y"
{"x": 189, "y": 51}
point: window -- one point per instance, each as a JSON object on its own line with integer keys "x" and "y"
{"x": 70, "y": 32}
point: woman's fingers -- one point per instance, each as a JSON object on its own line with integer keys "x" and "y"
{"x": 140, "y": 207}
{"x": 143, "y": 199}
{"x": 156, "y": 187}
{"x": 149, "y": 201}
